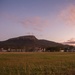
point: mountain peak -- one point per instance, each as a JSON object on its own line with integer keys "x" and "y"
{"x": 31, "y": 37}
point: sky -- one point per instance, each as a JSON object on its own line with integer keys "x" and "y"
{"x": 52, "y": 20}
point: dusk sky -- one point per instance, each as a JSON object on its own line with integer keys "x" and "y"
{"x": 52, "y": 20}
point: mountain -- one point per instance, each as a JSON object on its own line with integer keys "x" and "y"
{"x": 27, "y": 41}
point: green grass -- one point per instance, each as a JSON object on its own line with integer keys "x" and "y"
{"x": 12, "y": 63}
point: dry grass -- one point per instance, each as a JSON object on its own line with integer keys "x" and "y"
{"x": 18, "y": 63}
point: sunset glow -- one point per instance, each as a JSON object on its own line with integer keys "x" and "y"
{"x": 53, "y": 20}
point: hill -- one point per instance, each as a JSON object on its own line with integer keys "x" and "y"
{"x": 29, "y": 41}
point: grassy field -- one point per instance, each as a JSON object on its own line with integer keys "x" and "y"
{"x": 37, "y": 63}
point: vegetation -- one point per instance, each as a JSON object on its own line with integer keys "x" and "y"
{"x": 45, "y": 63}
{"x": 53, "y": 49}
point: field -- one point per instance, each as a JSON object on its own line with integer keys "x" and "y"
{"x": 41, "y": 63}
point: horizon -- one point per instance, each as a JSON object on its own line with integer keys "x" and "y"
{"x": 45, "y": 19}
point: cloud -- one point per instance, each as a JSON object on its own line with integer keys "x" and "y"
{"x": 35, "y": 21}
{"x": 29, "y": 33}
{"x": 70, "y": 41}
{"x": 38, "y": 29}
{"x": 67, "y": 15}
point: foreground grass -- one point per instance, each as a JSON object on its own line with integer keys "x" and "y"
{"x": 37, "y": 63}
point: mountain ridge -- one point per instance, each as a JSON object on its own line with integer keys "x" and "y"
{"x": 28, "y": 41}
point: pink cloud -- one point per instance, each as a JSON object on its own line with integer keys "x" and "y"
{"x": 67, "y": 15}
{"x": 70, "y": 41}
{"x": 35, "y": 21}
